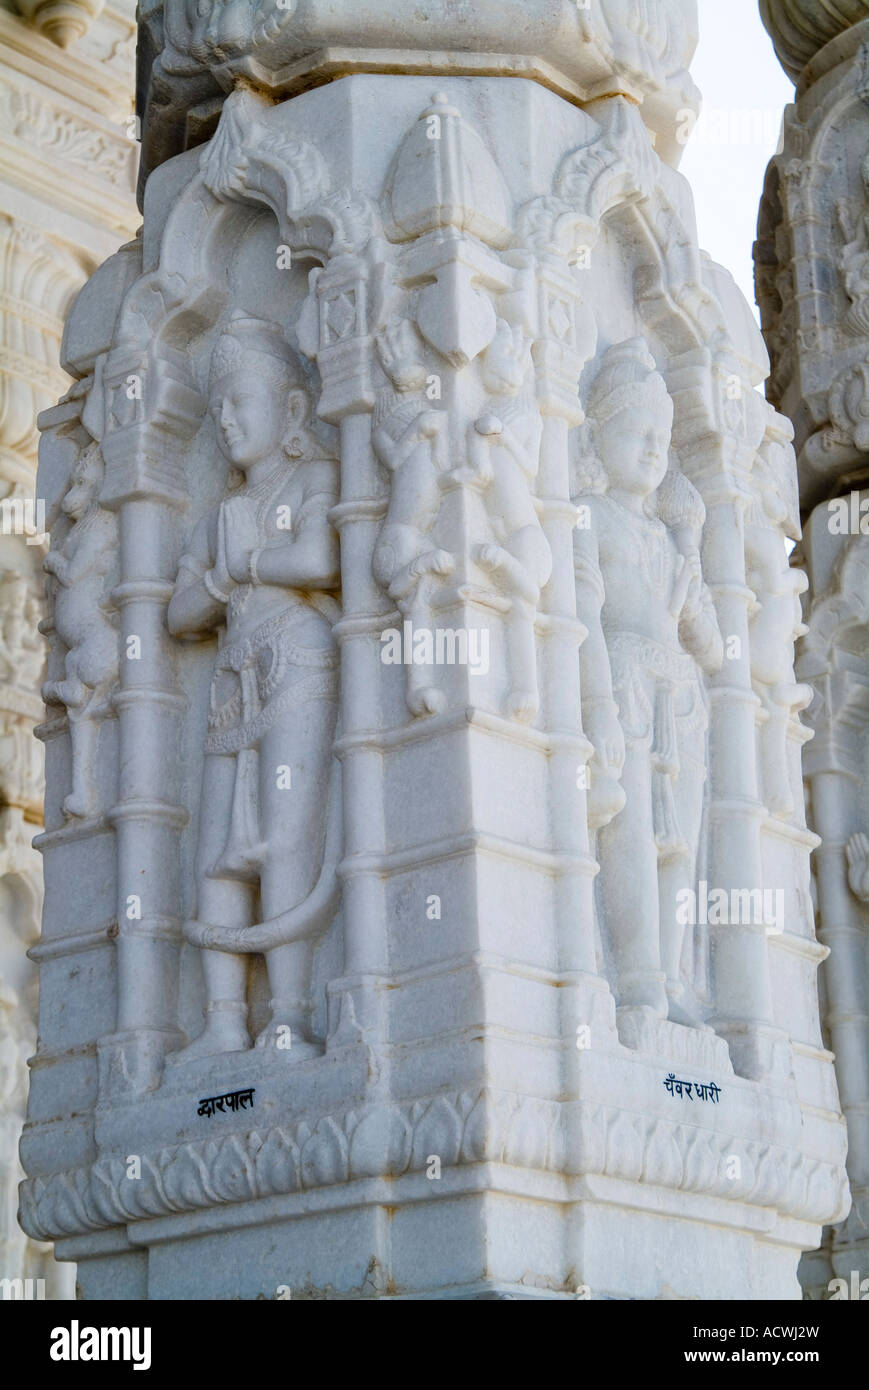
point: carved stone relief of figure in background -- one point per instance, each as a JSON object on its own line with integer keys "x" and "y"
{"x": 22, "y": 649}
{"x": 857, "y": 855}
{"x": 261, "y": 569}
{"x": 652, "y": 634}
{"x": 502, "y": 454}
{"x": 410, "y": 439}
{"x": 504, "y": 449}
{"x": 854, "y": 258}
{"x": 85, "y": 620}
{"x": 776, "y": 621}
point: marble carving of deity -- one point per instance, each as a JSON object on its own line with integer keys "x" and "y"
{"x": 85, "y": 571}
{"x": 261, "y": 569}
{"x": 652, "y": 636}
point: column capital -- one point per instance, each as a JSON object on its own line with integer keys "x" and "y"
{"x": 62, "y": 21}
{"x": 190, "y": 57}
{"x": 800, "y": 28}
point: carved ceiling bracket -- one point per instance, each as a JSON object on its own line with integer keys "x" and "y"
{"x": 62, "y": 21}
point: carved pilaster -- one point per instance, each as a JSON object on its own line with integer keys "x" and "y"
{"x": 811, "y": 261}
{"x": 444, "y": 507}
{"x": 66, "y": 190}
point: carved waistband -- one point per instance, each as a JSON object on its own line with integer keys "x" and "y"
{"x": 315, "y": 686}
{"x": 630, "y": 649}
{"x": 236, "y": 656}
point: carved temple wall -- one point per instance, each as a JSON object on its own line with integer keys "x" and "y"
{"x": 67, "y": 169}
{"x": 426, "y": 863}
{"x": 812, "y": 277}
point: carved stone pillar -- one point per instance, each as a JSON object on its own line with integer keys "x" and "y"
{"x": 812, "y": 256}
{"x": 66, "y": 189}
{"x": 422, "y": 819}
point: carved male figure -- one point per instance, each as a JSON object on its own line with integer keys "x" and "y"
{"x": 410, "y": 439}
{"x": 22, "y": 650}
{"x": 411, "y": 443}
{"x": 854, "y": 259}
{"x": 652, "y": 632}
{"x": 504, "y": 449}
{"x": 260, "y": 568}
{"x": 85, "y": 568}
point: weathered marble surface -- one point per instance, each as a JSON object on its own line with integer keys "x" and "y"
{"x": 812, "y": 259}
{"x": 66, "y": 190}
{"x": 484, "y": 938}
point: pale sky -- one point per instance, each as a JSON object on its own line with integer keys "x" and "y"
{"x": 744, "y": 94}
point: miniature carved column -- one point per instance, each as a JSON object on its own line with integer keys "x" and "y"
{"x": 149, "y": 409}
{"x": 723, "y": 426}
{"x": 423, "y": 759}
{"x": 811, "y": 261}
{"x": 344, "y": 351}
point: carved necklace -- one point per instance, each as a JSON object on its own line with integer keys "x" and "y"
{"x": 651, "y": 546}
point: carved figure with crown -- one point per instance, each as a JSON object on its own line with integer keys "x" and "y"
{"x": 261, "y": 569}
{"x": 652, "y": 635}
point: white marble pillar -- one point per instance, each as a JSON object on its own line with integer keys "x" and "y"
{"x": 811, "y": 256}
{"x": 66, "y": 191}
{"x": 434, "y": 890}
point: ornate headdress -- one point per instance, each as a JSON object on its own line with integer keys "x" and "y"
{"x": 628, "y": 378}
{"x": 257, "y": 346}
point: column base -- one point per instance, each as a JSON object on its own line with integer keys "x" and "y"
{"x": 462, "y": 1245}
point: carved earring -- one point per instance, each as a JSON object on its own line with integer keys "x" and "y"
{"x": 294, "y": 443}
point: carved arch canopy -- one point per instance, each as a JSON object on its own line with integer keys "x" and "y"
{"x": 246, "y": 164}
{"x": 250, "y": 163}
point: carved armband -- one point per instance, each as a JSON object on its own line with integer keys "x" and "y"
{"x": 700, "y": 635}
{"x": 217, "y": 594}
{"x": 590, "y": 576}
{"x": 253, "y": 562}
{"x": 316, "y": 505}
